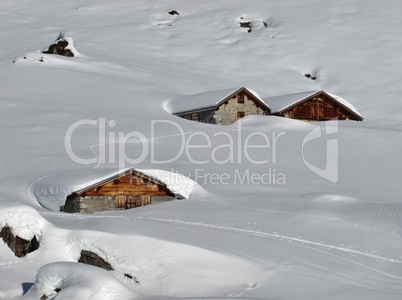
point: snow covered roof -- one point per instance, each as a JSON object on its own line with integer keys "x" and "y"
{"x": 180, "y": 185}
{"x": 283, "y": 102}
{"x": 206, "y": 100}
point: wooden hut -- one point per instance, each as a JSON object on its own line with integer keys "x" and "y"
{"x": 313, "y": 106}
{"x": 129, "y": 189}
{"x": 221, "y": 107}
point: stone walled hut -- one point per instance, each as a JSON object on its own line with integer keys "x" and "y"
{"x": 313, "y": 106}
{"x": 129, "y": 189}
{"x": 222, "y": 107}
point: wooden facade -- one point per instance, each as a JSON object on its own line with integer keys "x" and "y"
{"x": 319, "y": 107}
{"x": 128, "y": 190}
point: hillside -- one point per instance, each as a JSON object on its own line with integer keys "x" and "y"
{"x": 259, "y": 223}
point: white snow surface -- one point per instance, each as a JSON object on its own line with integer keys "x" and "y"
{"x": 259, "y": 223}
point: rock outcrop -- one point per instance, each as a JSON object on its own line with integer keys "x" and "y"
{"x": 90, "y": 258}
{"x": 62, "y": 46}
{"x": 19, "y": 246}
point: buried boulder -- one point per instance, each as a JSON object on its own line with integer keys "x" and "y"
{"x": 90, "y": 258}
{"x": 19, "y": 246}
{"x": 62, "y": 46}
{"x": 69, "y": 280}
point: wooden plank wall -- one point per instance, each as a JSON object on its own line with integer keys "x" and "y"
{"x": 128, "y": 185}
{"x": 319, "y": 109}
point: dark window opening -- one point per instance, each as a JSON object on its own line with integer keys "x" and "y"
{"x": 195, "y": 117}
{"x": 240, "y": 114}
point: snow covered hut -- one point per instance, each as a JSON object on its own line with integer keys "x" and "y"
{"x": 221, "y": 107}
{"x": 129, "y": 189}
{"x": 313, "y": 106}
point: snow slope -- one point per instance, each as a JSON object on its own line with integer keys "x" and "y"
{"x": 285, "y": 234}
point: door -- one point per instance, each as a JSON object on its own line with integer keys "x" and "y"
{"x": 120, "y": 201}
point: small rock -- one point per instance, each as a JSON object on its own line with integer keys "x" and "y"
{"x": 246, "y": 25}
{"x": 90, "y": 258}
{"x": 173, "y": 13}
{"x": 309, "y": 76}
{"x": 129, "y": 276}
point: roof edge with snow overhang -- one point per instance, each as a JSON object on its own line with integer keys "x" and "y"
{"x": 179, "y": 185}
{"x": 281, "y": 103}
{"x": 208, "y": 100}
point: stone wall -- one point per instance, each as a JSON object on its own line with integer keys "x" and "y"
{"x": 90, "y": 204}
{"x": 227, "y": 113}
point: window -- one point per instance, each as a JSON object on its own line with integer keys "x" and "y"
{"x": 195, "y": 117}
{"x": 240, "y": 114}
{"x": 240, "y": 98}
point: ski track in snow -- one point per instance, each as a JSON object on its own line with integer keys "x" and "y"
{"x": 39, "y": 179}
{"x": 388, "y": 214}
{"x": 302, "y": 242}
{"x": 315, "y": 245}
{"x": 307, "y": 215}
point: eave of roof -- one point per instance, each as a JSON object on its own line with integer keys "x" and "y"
{"x": 119, "y": 175}
{"x": 282, "y": 103}
{"x": 207, "y": 100}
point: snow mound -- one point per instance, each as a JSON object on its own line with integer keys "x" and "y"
{"x": 68, "y": 280}
{"x": 24, "y": 221}
{"x": 178, "y": 184}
